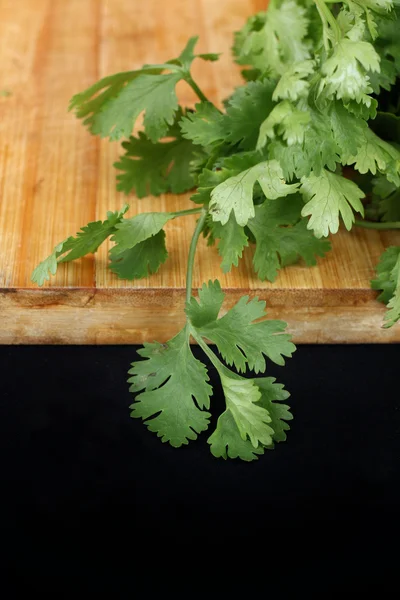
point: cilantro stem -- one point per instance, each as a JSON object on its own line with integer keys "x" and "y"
{"x": 190, "y": 211}
{"x": 374, "y": 225}
{"x": 328, "y": 18}
{"x": 207, "y": 350}
{"x": 197, "y": 90}
{"x": 192, "y": 252}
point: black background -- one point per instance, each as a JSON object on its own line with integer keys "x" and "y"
{"x": 74, "y": 462}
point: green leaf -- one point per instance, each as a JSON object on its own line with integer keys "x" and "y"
{"x": 319, "y": 148}
{"x": 232, "y": 241}
{"x": 204, "y": 126}
{"x": 236, "y": 193}
{"x": 159, "y": 168}
{"x": 226, "y": 441}
{"x": 387, "y": 195}
{"x": 287, "y": 121}
{"x": 175, "y": 390}
{"x": 282, "y": 237}
{"x": 141, "y": 260}
{"x": 131, "y": 232}
{"x": 388, "y": 280}
{"x": 385, "y": 78}
{"x": 274, "y": 40}
{"x": 242, "y": 396}
{"x": 209, "y": 56}
{"x": 348, "y": 130}
{"x": 328, "y": 195}
{"x": 241, "y": 341}
{"x": 208, "y": 180}
{"x": 206, "y": 309}
{"x": 345, "y": 72}
{"x": 376, "y": 154}
{"x": 293, "y": 84}
{"x": 112, "y": 106}
{"x": 245, "y": 111}
{"x": 154, "y": 94}
{"x": 87, "y": 240}
{"x": 47, "y": 266}
{"x": 271, "y": 396}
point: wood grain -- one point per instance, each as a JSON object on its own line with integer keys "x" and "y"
{"x": 55, "y": 177}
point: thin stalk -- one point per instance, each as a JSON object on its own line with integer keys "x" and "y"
{"x": 197, "y": 90}
{"x": 327, "y": 17}
{"x": 192, "y": 252}
{"x": 373, "y": 225}
{"x": 207, "y": 350}
{"x": 184, "y": 213}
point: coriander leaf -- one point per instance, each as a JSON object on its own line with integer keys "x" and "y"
{"x": 226, "y": 441}
{"x": 175, "y": 389}
{"x": 245, "y": 111}
{"x": 366, "y": 110}
{"x": 271, "y": 395}
{"x": 47, "y": 266}
{"x": 293, "y": 85}
{"x": 206, "y": 309}
{"x": 239, "y": 340}
{"x": 94, "y": 99}
{"x": 242, "y": 396}
{"x": 388, "y": 196}
{"x": 282, "y": 237}
{"x": 207, "y": 181}
{"x": 111, "y": 106}
{"x": 289, "y": 122}
{"x": 376, "y": 154}
{"x": 154, "y": 94}
{"x": 319, "y": 148}
{"x": 155, "y": 168}
{"x": 348, "y": 130}
{"x": 222, "y": 169}
{"x": 92, "y": 236}
{"x": 204, "y": 126}
{"x": 187, "y": 55}
{"x": 141, "y": 260}
{"x": 274, "y": 40}
{"x": 388, "y": 280}
{"x": 232, "y": 241}
{"x": 328, "y": 195}
{"x": 131, "y": 232}
{"x": 385, "y": 78}
{"x": 236, "y": 193}
{"x": 377, "y": 5}
{"x": 87, "y": 240}
{"x": 345, "y": 72}
{"x": 210, "y": 56}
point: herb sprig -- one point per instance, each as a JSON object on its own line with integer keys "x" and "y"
{"x": 268, "y": 170}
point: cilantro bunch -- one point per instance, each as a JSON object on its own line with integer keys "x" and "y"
{"x": 310, "y": 140}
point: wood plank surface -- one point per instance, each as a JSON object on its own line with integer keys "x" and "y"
{"x": 55, "y": 177}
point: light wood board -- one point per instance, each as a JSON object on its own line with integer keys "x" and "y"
{"x": 55, "y": 177}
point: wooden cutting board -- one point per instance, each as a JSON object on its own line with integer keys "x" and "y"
{"x": 55, "y": 177}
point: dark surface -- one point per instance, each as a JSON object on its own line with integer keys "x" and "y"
{"x": 73, "y": 461}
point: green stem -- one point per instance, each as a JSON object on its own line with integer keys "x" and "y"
{"x": 184, "y": 213}
{"x": 197, "y": 90}
{"x": 374, "y": 225}
{"x": 207, "y": 350}
{"x": 327, "y": 17}
{"x": 192, "y": 252}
